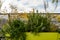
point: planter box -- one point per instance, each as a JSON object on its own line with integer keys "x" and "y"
{"x": 43, "y": 36}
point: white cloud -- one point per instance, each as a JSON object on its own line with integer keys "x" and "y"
{"x": 26, "y": 5}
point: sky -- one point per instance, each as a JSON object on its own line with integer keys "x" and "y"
{"x": 28, "y": 5}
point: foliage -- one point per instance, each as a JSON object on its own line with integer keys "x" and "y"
{"x": 37, "y": 23}
{"x": 15, "y": 29}
{"x": 58, "y": 18}
{"x": 54, "y": 1}
{"x": 45, "y": 5}
{"x": 53, "y": 28}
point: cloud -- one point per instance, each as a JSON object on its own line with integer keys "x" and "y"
{"x": 5, "y": 6}
{"x": 27, "y": 5}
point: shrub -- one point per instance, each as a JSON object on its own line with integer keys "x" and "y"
{"x": 15, "y": 29}
{"x": 37, "y": 23}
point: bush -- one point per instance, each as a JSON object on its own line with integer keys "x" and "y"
{"x": 37, "y": 23}
{"x": 17, "y": 28}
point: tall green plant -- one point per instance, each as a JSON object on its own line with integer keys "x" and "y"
{"x": 37, "y": 23}
{"x": 16, "y": 30}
